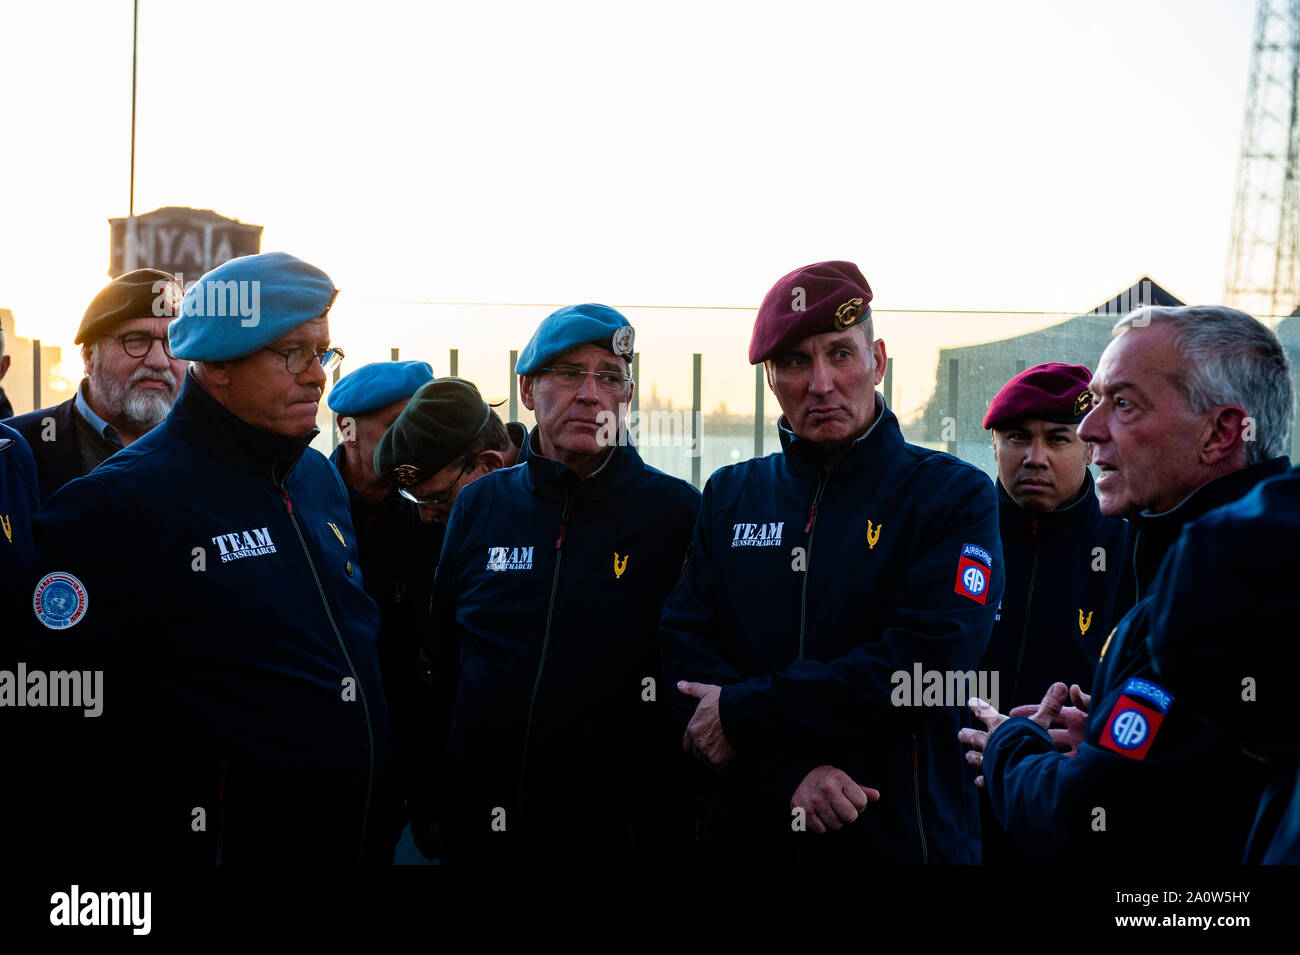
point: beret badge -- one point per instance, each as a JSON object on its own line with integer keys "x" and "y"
{"x": 848, "y": 314}
{"x": 622, "y": 340}
{"x": 1082, "y": 403}
{"x": 406, "y": 474}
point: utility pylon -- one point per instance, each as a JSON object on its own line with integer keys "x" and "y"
{"x": 1263, "y": 275}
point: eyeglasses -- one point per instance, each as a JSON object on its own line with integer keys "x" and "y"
{"x": 441, "y": 496}
{"x": 610, "y": 382}
{"x": 296, "y": 360}
{"x": 138, "y": 344}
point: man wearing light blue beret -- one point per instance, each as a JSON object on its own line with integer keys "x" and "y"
{"x": 244, "y": 678}
{"x": 546, "y": 603}
{"x": 398, "y": 551}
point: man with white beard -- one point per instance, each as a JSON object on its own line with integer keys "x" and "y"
{"x": 131, "y": 380}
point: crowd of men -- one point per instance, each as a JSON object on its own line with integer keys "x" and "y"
{"x": 532, "y": 647}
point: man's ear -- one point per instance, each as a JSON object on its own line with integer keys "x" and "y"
{"x": 1225, "y": 433}
{"x": 881, "y": 359}
{"x": 490, "y": 460}
{"x": 767, "y": 373}
{"x": 88, "y": 358}
{"x": 526, "y": 391}
{"x": 217, "y": 372}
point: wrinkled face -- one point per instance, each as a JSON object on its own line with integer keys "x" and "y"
{"x": 362, "y": 432}
{"x": 577, "y": 419}
{"x": 439, "y": 491}
{"x": 1146, "y": 438}
{"x": 263, "y": 393}
{"x": 1041, "y": 464}
{"x": 826, "y": 385}
{"x": 139, "y": 390}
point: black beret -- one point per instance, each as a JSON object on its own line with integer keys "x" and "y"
{"x": 434, "y": 428}
{"x": 144, "y": 293}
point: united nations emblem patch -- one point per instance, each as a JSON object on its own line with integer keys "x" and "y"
{"x": 623, "y": 339}
{"x": 848, "y": 314}
{"x": 60, "y": 601}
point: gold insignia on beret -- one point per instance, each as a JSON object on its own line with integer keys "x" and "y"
{"x": 848, "y": 314}
{"x": 622, "y": 340}
{"x": 1083, "y": 403}
{"x": 406, "y": 474}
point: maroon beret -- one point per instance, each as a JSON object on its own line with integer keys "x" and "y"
{"x": 825, "y": 297}
{"x": 1054, "y": 392}
{"x": 143, "y": 293}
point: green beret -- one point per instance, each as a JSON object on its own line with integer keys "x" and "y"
{"x": 434, "y": 428}
{"x": 143, "y": 293}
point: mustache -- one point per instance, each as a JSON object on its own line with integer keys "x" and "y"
{"x": 164, "y": 375}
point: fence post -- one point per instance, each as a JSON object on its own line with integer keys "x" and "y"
{"x": 393, "y": 353}
{"x": 889, "y": 383}
{"x": 334, "y": 421}
{"x": 952, "y": 403}
{"x": 453, "y": 363}
{"x": 758, "y": 410}
{"x": 510, "y": 380}
{"x": 696, "y": 415}
{"x": 636, "y": 378}
{"x": 36, "y": 374}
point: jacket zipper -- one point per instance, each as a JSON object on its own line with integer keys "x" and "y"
{"x": 221, "y": 811}
{"x": 916, "y": 791}
{"x": 541, "y": 660}
{"x": 338, "y": 634}
{"x": 1024, "y": 632}
{"x": 810, "y": 529}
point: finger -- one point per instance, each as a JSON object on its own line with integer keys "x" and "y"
{"x": 983, "y": 711}
{"x": 696, "y": 690}
{"x": 1024, "y": 709}
{"x": 1079, "y": 698}
{"x": 979, "y": 781}
{"x": 814, "y": 823}
{"x": 873, "y": 795}
{"x": 844, "y": 810}
{"x": 828, "y": 816}
{"x": 971, "y": 737}
{"x": 856, "y": 795}
{"x": 1060, "y": 737}
{"x": 975, "y": 758}
{"x": 1050, "y": 708}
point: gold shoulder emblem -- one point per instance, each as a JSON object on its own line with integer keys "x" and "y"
{"x": 337, "y": 533}
{"x": 1083, "y": 403}
{"x": 619, "y": 567}
{"x": 873, "y": 538}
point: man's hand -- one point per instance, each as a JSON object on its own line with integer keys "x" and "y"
{"x": 830, "y": 799}
{"x": 424, "y": 667}
{"x": 1071, "y": 726}
{"x": 1043, "y": 715}
{"x": 704, "y": 737}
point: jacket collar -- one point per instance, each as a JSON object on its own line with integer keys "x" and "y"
{"x": 880, "y": 441}
{"x": 551, "y": 479}
{"x": 208, "y": 425}
{"x": 1080, "y": 512}
{"x": 1156, "y": 533}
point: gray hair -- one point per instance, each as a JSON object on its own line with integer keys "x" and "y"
{"x": 1231, "y": 359}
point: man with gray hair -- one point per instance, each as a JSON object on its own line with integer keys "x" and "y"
{"x": 1192, "y": 410}
{"x": 132, "y": 380}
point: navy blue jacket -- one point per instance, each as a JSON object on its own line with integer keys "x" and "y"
{"x": 809, "y": 598}
{"x": 1069, "y": 580}
{"x": 1226, "y": 609}
{"x": 19, "y": 500}
{"x": 243, "y": 715}
{"x": 1147, "y": 756}
{"x": 545, "y": 609}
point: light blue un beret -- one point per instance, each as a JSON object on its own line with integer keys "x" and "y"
{"x": 247, "y": 303}
{"x": 378, "y": 384}
{"x": 576, "y": 325}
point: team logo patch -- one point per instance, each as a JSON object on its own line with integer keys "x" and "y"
{"x": 973, "y": 572}
{"x": 509, "y": 558}
{"x": 1136, "y": 718}
{"x": 60, "y": 600}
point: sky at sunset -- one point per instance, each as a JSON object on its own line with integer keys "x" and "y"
{"x": 1004, "y": 156}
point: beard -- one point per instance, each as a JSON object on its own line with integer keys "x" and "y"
{"x": 146, "y": 407}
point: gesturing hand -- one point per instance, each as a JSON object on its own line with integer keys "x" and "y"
{"x": 1043, "y": 715}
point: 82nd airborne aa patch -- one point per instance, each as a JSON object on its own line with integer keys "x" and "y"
{"x": 1135, "y": 718}
{"x": 974, "y": 569}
